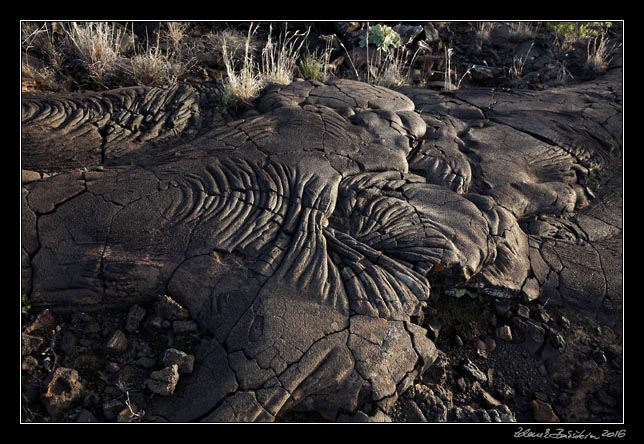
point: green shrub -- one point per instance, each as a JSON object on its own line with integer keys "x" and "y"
{"x": 25, "y": 303}
{"x": 382, "y": 36}
{"x": 568, "y": 33}
{"x": 312, "y": 67}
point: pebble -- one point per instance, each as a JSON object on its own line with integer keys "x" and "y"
{"x": 565, "y": 323}
{"x": 45, "y": 323}
{"x": 505, "y": 392}
{"x": 29, "y": 364}
{"x": 543, "y": 316}
{"x": 169, "y": 309}
{"x": 164, "y": 382}
{"x": 542, "y": 412}
{"x": 504, "y": 333}
{"x": 134, "y": 318}
{"x": 472, "y": 370}
{"x": 112, "y": 408}
{"x": 557, "y": 341}
{"x": 184, "y": 361}
{"x": 523, "y": 311}
{"x": 30, "y": 344}
{"x": 117, "y": 343}
{"x": 154, "y": 323}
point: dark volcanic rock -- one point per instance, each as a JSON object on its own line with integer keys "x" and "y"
{"x": 542, "y": 412}
{"x": 304, "y": 239}
{"x": 134, "y": 318}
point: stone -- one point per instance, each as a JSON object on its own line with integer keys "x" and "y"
{"x": 86, "y": 416}
{"x": 408, "y": 33}
{"x": 488, "y": 400}
{"x": 505, "y": 392}
{"x": 184, "y": 327}
{"x": 164, "y": 382}
{"x": 134, "y": 317}
{"x": 504, "y": 333}
{"x": 431, "y": 34}
{"x": 565, "y": 323}
{"x": 434, "y": 326}
{"x": 347, "y": 27}
{"x": 44, "y": 323}
{"x": 169, "y": 309}
{"x": 523, "y": 311}
{"x": 542, "y": 412}
{"x": 184, "y": 361}
{"x": 117, "y": 343}
{"x": 470, "y": 369}
{"x": 30, "y": 344}
{"x": 557, "y": 341}
{"x": 154, "y": 323}
{"x": 29, "y": 364}
{"x": 112, "y": 408}
{"x": 63, "y": 390}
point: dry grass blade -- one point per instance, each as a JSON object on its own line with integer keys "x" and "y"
{"x": 598, "y": 58}
{"x": 483, "y": 30}
{"x": 522, "y": 30}
{"x": 279, "y": 58}
{"x": 243, "y": 85}
{"x": 518, "y": 63}
{"x": 395, "y": 68}
{"x": 98, "y": 46}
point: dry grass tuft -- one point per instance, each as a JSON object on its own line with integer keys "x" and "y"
{"x": 279, "y": 58}
{"x": 598, "y": 54}
{"x": 243, "y": 84}
{"x": 522, "y": 30}
{"x": 483, "y": 30}
{"x": 394, "y": 70}
{"x": 98, "y": 46}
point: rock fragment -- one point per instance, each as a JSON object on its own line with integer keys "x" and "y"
{"x": 134, "y": 318}
{"x": 169, "y": 309}
{"x": 63, "y": 389}
{"x": 164, "y": 382}
{"x": 185, "y": 362}
{"x": 117, "y": 343}
{"x": 542, "y": 411}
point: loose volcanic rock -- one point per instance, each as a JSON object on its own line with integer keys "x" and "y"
{"x": 163, "y": 382}
{"x": 184, "y": 361}
{"x": 64, "y": 388}
{"x": 134, "y": 318}
{"x": 542, "y": 412}
{"x": 117, "y": 343}
{"x": 303, "y": 240}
